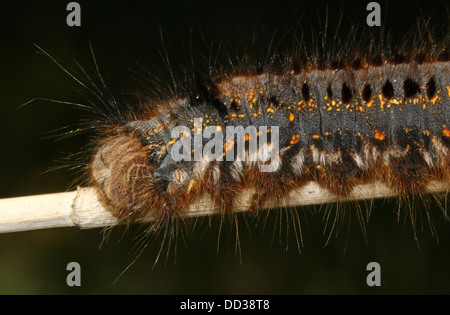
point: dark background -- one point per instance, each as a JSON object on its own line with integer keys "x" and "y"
{"x": 127, "y": 33}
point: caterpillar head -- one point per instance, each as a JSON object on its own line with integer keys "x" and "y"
{"x": 136, "y": 175}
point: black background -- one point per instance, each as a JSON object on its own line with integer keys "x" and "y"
{"x": 127, "y": 33}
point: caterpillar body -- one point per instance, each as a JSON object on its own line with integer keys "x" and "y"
{"x": 340, "y": 123}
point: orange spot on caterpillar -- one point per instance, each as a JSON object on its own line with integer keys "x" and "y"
{"x": 171, "y": 142}
{"x": 227, "y": 146}
{"x": 380, "y": 135}
{"x": 381, "y": 100}
{"x": 446, "y": 132}
{"x": 434, "y": 99}
{"x": 295, "y": 139}
{"x": 316, "y": 137}
{"x": 249, "y": 95}
{"x": 291, "y": 117}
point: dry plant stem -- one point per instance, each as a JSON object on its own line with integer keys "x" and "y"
{"x": 83, "y": 209}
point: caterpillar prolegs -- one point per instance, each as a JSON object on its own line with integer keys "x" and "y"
{"x": 339, "y": 123}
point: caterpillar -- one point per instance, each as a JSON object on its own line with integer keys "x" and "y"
{"x": 340, "y": 123}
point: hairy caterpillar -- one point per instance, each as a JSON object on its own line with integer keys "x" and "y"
{"x": 341, "y": 122}
{"x": 338, "y": 125}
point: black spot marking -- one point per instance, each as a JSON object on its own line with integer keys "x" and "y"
{"x": 346, "y": 94}
{"x": 366, "y": 93}
{"x": 274, "y": 101}
{"x": 329, "y": 92}
{"x": 387, "y": 90}
{"x": 410, "y": 88}
{"x": 206, "y": 93}
{"x": 305, "y": 92}
{"x": 431, "y": 88}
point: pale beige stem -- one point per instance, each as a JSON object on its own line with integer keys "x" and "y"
{"x": 83, "y": 209}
